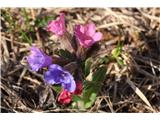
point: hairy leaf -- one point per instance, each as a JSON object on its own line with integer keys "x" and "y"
{"x": 92, "y": 87}
{"x": 66, "y": 54}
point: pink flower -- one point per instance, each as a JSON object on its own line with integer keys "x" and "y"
{"x": 57, "y": 26}
{"x": 65, "y": 97}
{"x": 87, "y": 35}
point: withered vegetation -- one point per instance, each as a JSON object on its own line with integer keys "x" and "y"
{"x": 131, "y": 87}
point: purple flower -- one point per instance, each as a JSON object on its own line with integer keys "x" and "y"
{"x": 57, "y": 26}
{"x": 87, "y": 35}
{"x": 57, "y": 75}
{"x": 38, "y": 59}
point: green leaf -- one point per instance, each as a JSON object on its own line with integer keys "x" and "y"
{"x": 76, "y": 98}
{"x": 103, "y": 60}
{"x": 89, "y": 96}
{"x": 91, "y": 100}
{"x": 117, "y": 51}
{"x": 77, "y": 102}
{"x": 74, "y": 105}
{"x": 42, "y": 22}
{"x": 25, "y": 15}
{"x": 26, "y": 38}
{"x": 99, "y": 75}
{"x": 120, "y": 61}
{"x": 66, "y": 54}
{"x": 8, "y": 17}
{"x": 87, "y": 66}
{"x": 57, "y": 89}
{"x": 78, "y": 105}
{"x": 92, "y": 88}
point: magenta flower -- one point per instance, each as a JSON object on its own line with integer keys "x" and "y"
{"x": 87, "y": 35}
{"x": 38, "y": 59}
{"x": 57, "y": 75}
{"x": 57, "y": 26}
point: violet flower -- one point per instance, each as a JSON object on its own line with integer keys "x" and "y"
{"x": 87, "y": 35}
{"x": 57, "y": 26}
{"x": 57, "y": 75}
{"x": 38, "y": 59}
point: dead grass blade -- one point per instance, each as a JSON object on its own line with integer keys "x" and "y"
{"x": 140, "y": 94}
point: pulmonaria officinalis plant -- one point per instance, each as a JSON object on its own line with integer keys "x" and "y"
{"x": 68, "y": 73}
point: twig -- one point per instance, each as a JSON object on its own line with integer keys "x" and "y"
{"x": 21, "y": 76}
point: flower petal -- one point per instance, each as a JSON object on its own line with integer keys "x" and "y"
{"x": 88, "y": 43}
{"x": 90, "y": 29}
{"x": 38, "y": 59}
{"x": 65, "y": 97}
{"x": 70, "y": 86}
{"x": 57, "y": 75}
{"x": 79, "y": 88}
{"x": 55, "y": 67}
{"x": 57, "y": 26}
{"x": 48, "y": 60}
{"x": 87, "y": 35}
{"x": 49, "y": 78}
{"x": 97, "y": 36}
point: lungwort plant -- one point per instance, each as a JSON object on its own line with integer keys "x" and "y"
{"x": 71, "y": 71}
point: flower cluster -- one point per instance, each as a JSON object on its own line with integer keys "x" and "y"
{"x": 55, "y": 74}
{"x": 86, "y": 36}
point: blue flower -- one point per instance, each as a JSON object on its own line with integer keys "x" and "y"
{"x": 57, "y": 75}
{"x": 38, "y": 59}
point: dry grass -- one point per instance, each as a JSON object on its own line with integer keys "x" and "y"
{"x": 133, "y": 87}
